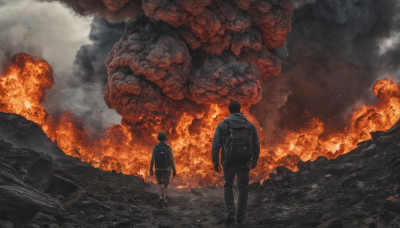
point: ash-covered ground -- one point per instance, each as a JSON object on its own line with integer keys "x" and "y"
{"x": 42, "y": 187}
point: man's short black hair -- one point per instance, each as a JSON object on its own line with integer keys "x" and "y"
{"x": 162, "y": 136}
{"x": 234, "y": 107}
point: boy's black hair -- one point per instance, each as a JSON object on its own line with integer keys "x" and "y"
{"x": 162, "y": 136}
{"x": 234, "y": 107}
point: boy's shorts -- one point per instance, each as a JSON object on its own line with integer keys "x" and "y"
{"x": 162, "y": 176}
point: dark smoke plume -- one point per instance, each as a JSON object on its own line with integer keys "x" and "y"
{"x": 215, "y": 51}
{"x": 89, "y": 61}
{"x": 334, "y": 57}
{"x": 209, "y": 52}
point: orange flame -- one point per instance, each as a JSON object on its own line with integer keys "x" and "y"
{"x": 22, "y": 89}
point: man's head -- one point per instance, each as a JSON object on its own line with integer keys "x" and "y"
{"x": 234, "y": 107}
{"x": 162, "y": 136}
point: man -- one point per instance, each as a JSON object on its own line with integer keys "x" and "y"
{"x": 240, "y": 151}
{"x": 164, "y": 160}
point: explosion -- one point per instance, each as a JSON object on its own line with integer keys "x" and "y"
{"x": 120, "y": 148}
{"x": 184, "y": 56}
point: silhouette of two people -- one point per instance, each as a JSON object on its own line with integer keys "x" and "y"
{"x": 236, "y": 142}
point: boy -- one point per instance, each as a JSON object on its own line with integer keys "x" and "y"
{"x": 164, "y": 160}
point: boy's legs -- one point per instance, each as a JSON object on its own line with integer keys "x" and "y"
{"x": 165, "y": 182}
{"x": 160, "y": 187}
{"x": 160, "y": 191}
{"x": 165, "y": 187}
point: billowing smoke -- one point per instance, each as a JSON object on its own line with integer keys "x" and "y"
{"x": 82, "y": 91}
{"x": 177, "y": 54}
{"x": 335, "y": 53}
{"x": 25, "y": 27}
{"x": 89, "y": 60}
{"x": 74, "y": 47}
{"x": 206, "y": 52}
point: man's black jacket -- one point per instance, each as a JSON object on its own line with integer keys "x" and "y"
{"x": 220, "y": 137}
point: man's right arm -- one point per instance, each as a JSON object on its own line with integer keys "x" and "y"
{"x": 217, "y": 144}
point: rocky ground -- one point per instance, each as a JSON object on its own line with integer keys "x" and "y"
{"x": 41, "y": 187}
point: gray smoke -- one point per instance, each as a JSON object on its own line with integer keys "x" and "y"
{"x": 82, "y": 92}
{"x": 76, "y": 48}
{"x": 51, "y": 31}
{"x": 334, "y": 57}
{"x": 46, "y": 30}
{"x": 89, "y": 60}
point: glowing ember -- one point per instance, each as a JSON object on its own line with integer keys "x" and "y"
{"x": 23, "y": 87}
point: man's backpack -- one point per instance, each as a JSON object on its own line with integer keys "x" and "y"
{"x": 238, "y": 143}
{"x": 162, "y": 156}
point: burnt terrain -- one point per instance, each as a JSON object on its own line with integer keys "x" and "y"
{"x": 42, "y": 187}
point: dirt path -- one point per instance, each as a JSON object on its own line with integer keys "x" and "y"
{"x": 203, "y": 207}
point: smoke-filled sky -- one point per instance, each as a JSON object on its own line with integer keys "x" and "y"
{"x": 335, "y": 51}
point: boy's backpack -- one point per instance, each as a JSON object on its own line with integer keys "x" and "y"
{"x": 162, "y": 156}
{"x": 238, "y": 143}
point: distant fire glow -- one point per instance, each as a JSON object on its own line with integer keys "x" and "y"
{"x": 23, "y": 87}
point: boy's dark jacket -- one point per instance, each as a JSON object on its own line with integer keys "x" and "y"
{"x": 171, "y": 157}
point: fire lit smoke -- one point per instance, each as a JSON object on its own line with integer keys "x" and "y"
{"x": 206, "y": 52}
{"x": 23, "y": 88}
{"x": 334, "y": 56}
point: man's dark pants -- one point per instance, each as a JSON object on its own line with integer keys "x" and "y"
{"x": 242, "y": 172}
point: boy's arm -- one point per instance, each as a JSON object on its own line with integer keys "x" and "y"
{"x": 152, "y": 158}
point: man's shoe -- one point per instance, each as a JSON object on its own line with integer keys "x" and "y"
{"x": 165, "y": 204}
{"x": 160, "y": 203}
{"x": 230, "y": 218}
